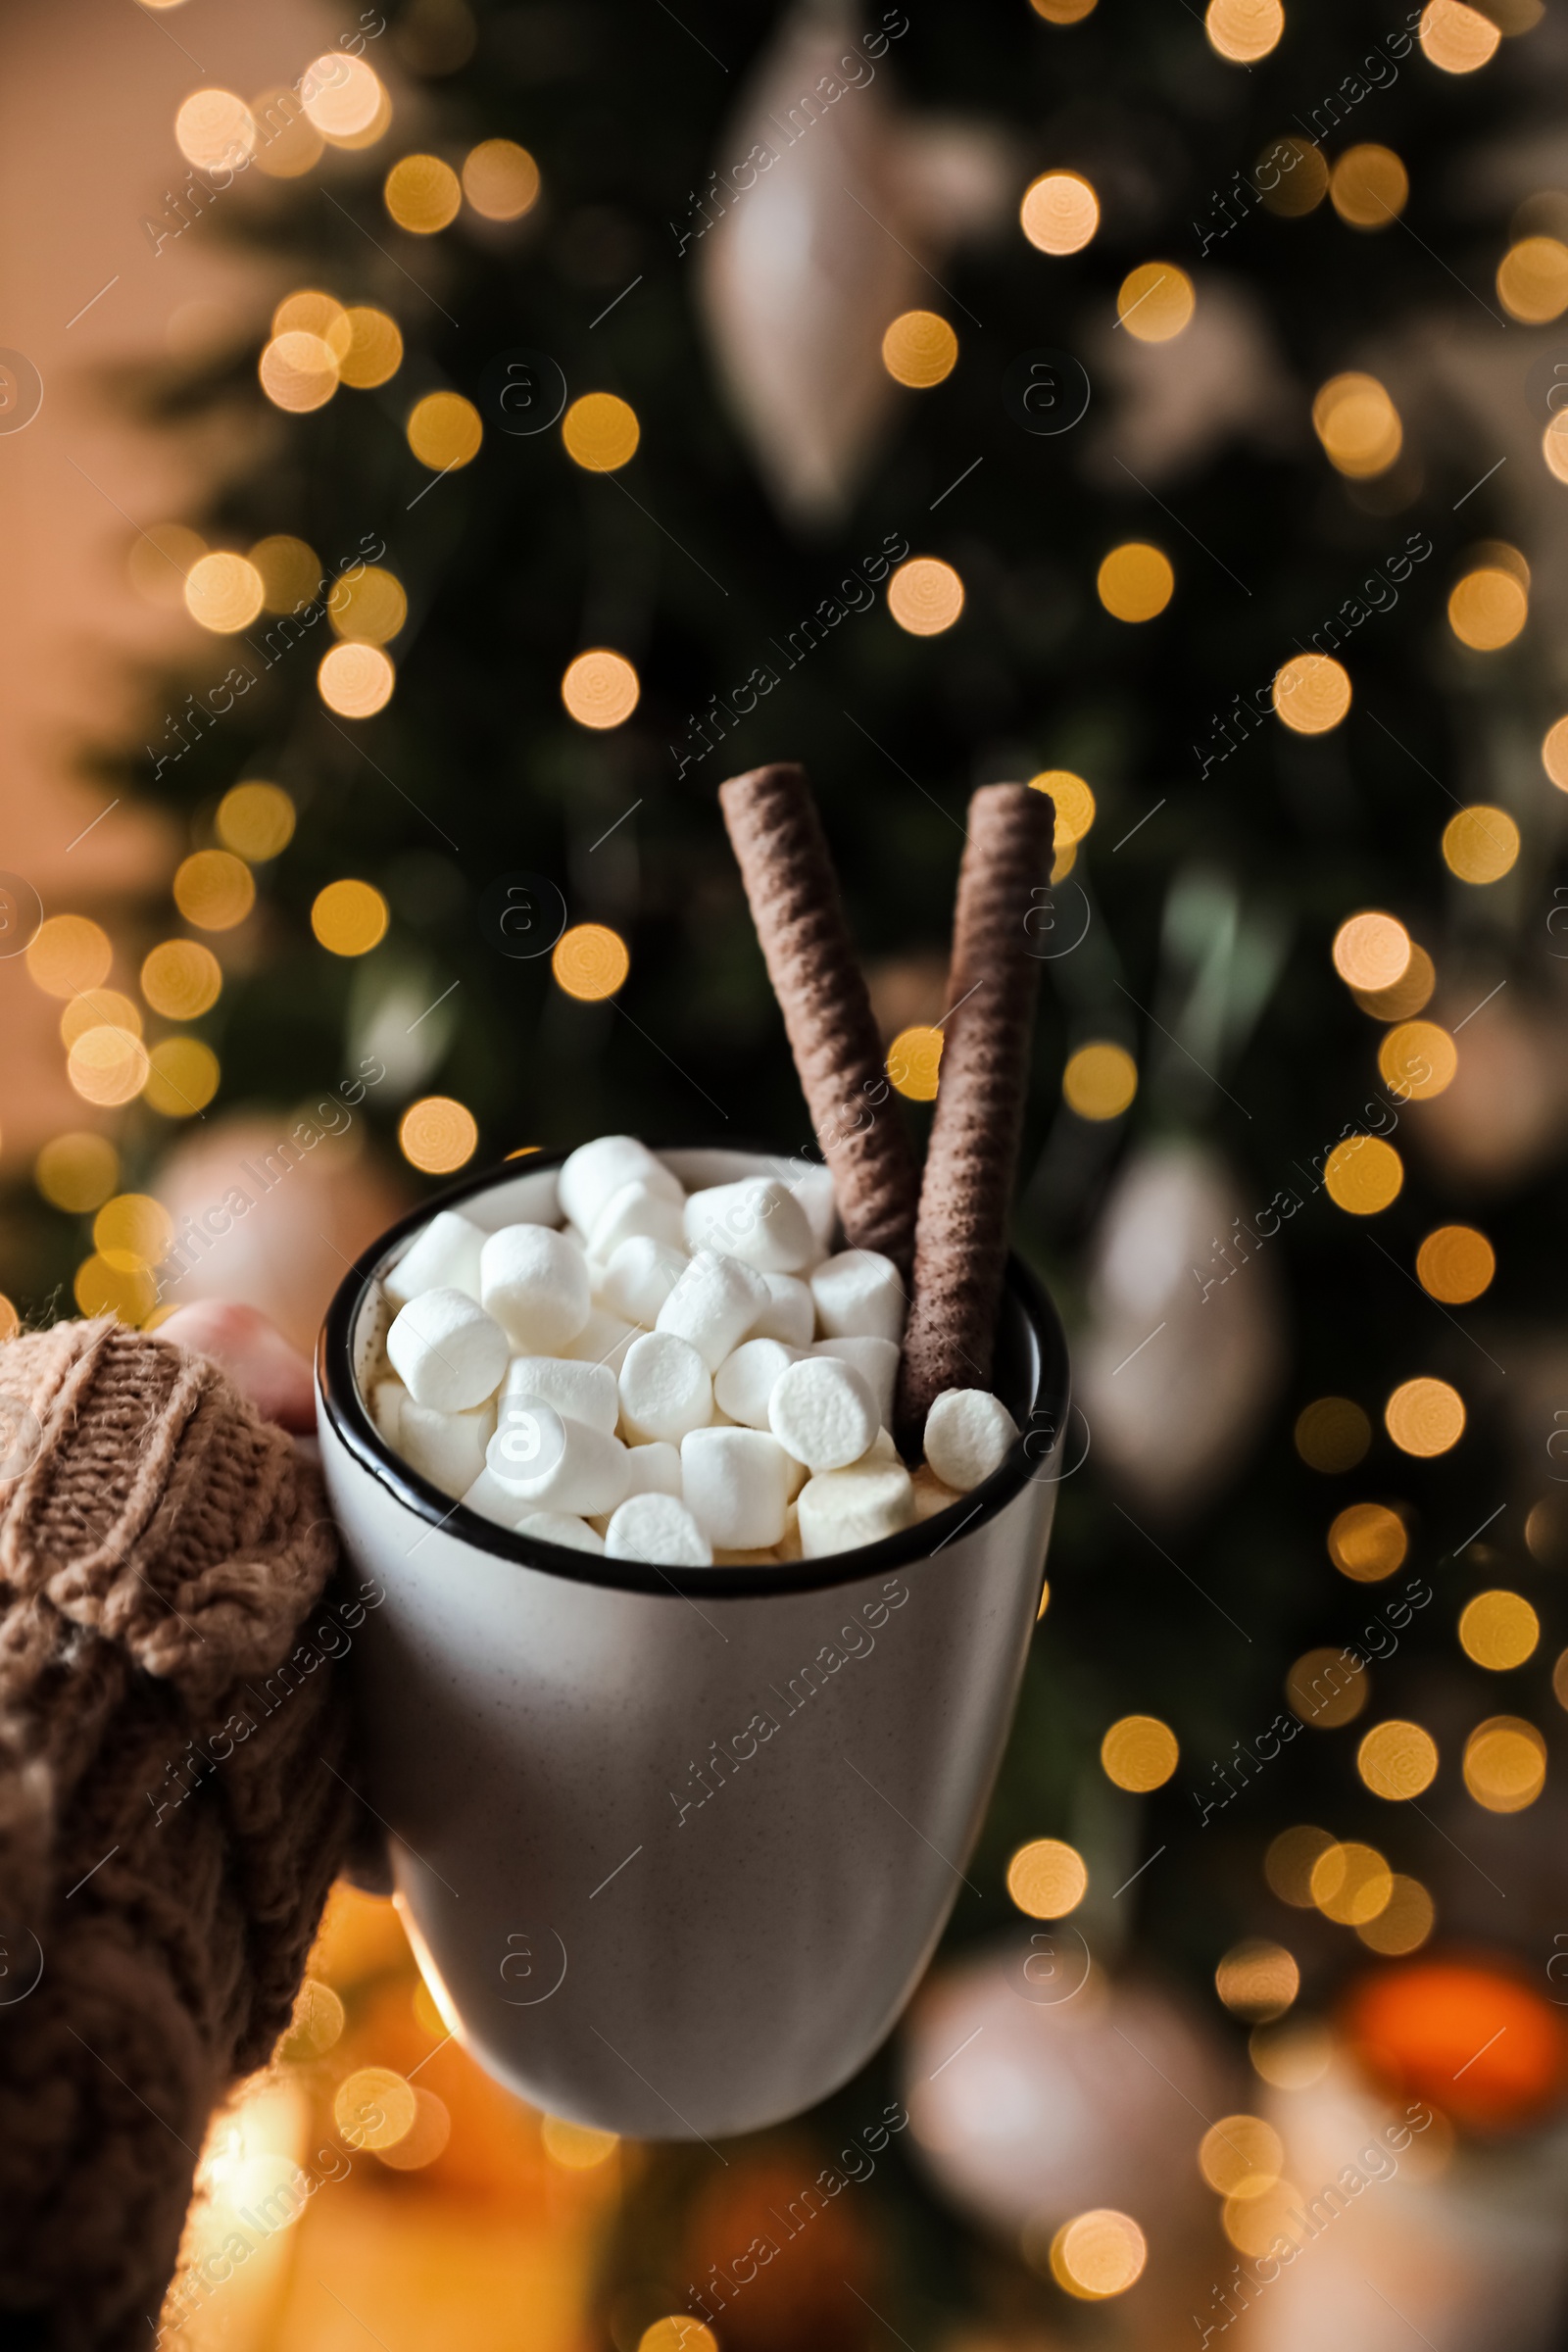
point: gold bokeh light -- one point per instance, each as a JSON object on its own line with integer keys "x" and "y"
{"x": 298, "y": 372}
{"x": 76, "y": 1171}
{"x": 1367, "y": 1542}
{"x": 1499, "y": 1630}
{"x": 1425, "y": 1417}
{"x": 356, "y": 680}
{"x": 1048, "y": 1878}
{"x": 445, "y": 431}
{"x": 1480, "y": 844}
{"x": 1505, "y": 1764}
{"x": 1363, "y": 1175}
{"x": 1332, "y": 1433}
{"x": 1136, "y": 581}
{"x": 255, "y": 820}
{"x": 1417, "y": 1061}
{"x": 1488, "y": 608}
{"x": 66, "y": 953}
{"x": 1243, "y": 32}
{"x": 1369, "y": 187}
{"x": 1289, "y": 1861}
{"x": 925, "y": 596}
{"x": 919, "y": 349}
{"x": 1455, "y": 1263}
{"x": 223, "y": 592}
{"x": 1155, "y": 301}
{"x": 1311, "y": 692}
{"x": 590, "y": 961}
{"x": 1257, "y": 1979}
{"x": 350, "y": 917}
{"x": 1358, "y": 426}
{"x": 501, "y": 179}
{"x": 422, "y": 194}
{"x": 1533, "y": 281}
{"x": 438, "y": 1135}
{"x": 1060, "y": 213}
{"x": 368, "y": 610}
{"x": 1098, "y": 2254}
{"x": 600, "y": 688}
{"x": 374, "y": 351}
{"x": 214, "y": 889}
{"x": 1398, "y": 1760}
{"x": 1371, "y": 950}
{"x": 1100, "y": 1080}
{"x": 181, "y": 979}
{"x": 182, "y": 1075}
{"x": 1139, "y": 1752}
{"x": 1455, "y": 38}
{"x": 601, "y": 432}
{"x": 914, "y": 1063}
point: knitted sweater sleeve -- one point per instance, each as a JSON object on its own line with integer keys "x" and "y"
{"x": 170, "y": 1811}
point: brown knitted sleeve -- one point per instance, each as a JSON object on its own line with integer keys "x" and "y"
{"x": 169, "y": 1822}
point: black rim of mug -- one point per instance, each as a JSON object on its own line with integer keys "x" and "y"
{"x": 349, "y": 1418}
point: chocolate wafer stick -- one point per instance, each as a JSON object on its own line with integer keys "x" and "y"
{"x": 962, "y": 1234}
{"x": 795, "y": 902}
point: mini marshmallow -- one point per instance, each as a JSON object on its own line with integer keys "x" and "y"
{"x": 387, "y": 1399}
{"x": 823, "y": 1411}
{"x": 445, "y": 1257}
{"x": 594, "y": 1172}
{"x": 447, "y": 1350}
{"x": 492, "y": 1500}
{"x": 814, "y": 1192}
{"x": 554, "y": 1463}
{"x": 653, "y": 1469}
{"x": 877, "y": 1359}
{"x": 447, "y": 1448}
{"x": 666, "y": 1387}
{"x": 930, "y": 1494}
{"x": 840, "y": 1509}
{"x": 636, "y": 1210}
{"x": 714, "y": 1305}
{"x": 583, "y": 1392}
{"x": 968, "y": 1434}
{"x": 735, "y": 1484}
{"x": 790, "y": 1314}
{"x": 659, "y": 1529}
{"x": 639, "y": 1278}
{"x": 535, "y": 1283}
{"x": 758, "y": 1220}
{"x": 562, "y": 1527}
{"x": 745, "y": 1381}
{"x": 603, "y": 1340}
{"x": 859, "y": 1295}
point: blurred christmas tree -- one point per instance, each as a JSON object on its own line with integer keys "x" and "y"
{"x": 1159, "y": 406}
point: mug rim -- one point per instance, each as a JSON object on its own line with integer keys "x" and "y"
{"x": 349, "y": 1415}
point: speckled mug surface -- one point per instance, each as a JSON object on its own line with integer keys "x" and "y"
{"x": 675, "y": 1847}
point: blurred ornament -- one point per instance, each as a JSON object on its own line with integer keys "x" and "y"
{"x": 1468, "y": 2034}
{"x": 1039, "y": 2091}
{"x": 820, "y": 221}
{"x": 1183, "y": 1357}
{"x": 267, "y": 1218}
{"x": 1504, "y": 1112}
{"x": 1400, "y": 2236}
{"x": 794, "y": 2201}
{"x": 1175, "y": 404}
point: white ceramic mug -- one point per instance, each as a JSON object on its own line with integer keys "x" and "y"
{"x": 675, "y": 1848}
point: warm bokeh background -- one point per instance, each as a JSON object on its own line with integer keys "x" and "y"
{"x": 1281, "y": 621}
